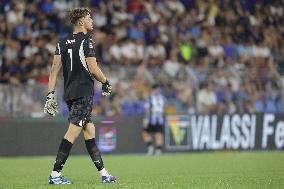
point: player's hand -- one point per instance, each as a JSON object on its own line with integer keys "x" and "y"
{"x": 106, "y": 88}
{"x": 50, "y": 106}
{"x": 145, "y": 123}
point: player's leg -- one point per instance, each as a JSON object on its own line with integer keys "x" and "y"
{"x": 62, "y": 155}
{"x": 89, "y": 135}
{"x": 65, "y": 147}
{"x": 147, "y": 138}
{"x": 77, "y": 119}
{"x": 159, "y": 139}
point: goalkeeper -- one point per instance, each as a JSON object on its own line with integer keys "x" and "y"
{"x": 75, "y": 54}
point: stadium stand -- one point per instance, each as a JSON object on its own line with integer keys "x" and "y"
{"x": 230, "y": 51}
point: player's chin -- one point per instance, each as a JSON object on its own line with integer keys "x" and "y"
{"x": 91, "y": 28}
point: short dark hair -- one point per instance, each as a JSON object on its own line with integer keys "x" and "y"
{"x": 77, "y": 13}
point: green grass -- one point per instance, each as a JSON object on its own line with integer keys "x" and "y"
{"x": 190, "y": 170}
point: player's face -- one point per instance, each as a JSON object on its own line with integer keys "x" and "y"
{"x": 88, "y": 22}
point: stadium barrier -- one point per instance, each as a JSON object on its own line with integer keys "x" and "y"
{"x": 225, "y": 132}
{"x": 33, "y": 136}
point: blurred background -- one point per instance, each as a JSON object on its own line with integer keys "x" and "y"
{"x": 229, "y": 50}
{"x": 234, "y": 46}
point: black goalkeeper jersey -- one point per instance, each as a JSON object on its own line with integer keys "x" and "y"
{"x": 78, "y": 81}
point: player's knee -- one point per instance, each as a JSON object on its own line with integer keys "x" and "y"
{"x": 88, "y": 134}
{"x": 89, "y": 131}
{"x": 89, "y": 126}
{"x": 72, "y": 133}
{"x": 71, "y": 137}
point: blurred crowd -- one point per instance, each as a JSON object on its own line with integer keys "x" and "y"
{"x": 208, "y": 56}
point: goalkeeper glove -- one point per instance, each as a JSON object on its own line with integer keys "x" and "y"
{"x": 50, "y": 106}
{"x": 106, "y": 88}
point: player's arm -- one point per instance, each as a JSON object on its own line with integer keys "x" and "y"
{"x": 98, "y": 74}
{"x": 51, "y": 106}
{"x": 55, "y": 68}
{"x": 146, "y": 114}
{"x": 94, "y": 68}
{"x": 146, "y": 118}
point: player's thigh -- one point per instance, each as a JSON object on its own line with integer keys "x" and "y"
{"x": 146, "y": 136}
{"x": 89, "y": 131}
{"x": 159, "y": 134}
{"x": 80, "y": 111}
{"x": 159, "y": 138}
{"x": 72, "y": 133}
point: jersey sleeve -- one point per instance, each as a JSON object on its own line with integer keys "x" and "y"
{"x": 57, "y": 49}
{"x": 89, "y": 49}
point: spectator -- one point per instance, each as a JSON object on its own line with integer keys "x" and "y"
{"x": 172, "y": 66}
{"x": 15, "y": 15}
{"x": 61, "y": 6}
{"x": 206, "y": 99}
{"x": 156, "y": 53}
{"x": 236, "y": 44}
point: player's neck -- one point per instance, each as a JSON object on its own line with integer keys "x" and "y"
{"x": 80, "y": 29}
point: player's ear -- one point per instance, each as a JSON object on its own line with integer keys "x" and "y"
{"x": 80, "y": 23}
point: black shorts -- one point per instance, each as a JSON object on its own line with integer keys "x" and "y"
{"x": 156, "y": 128}
{"x": 80, "y": 110}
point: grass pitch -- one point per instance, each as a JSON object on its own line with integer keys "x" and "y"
{"x": 190, "y": 170}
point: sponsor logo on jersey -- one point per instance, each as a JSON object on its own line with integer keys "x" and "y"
{"x": 70, "y": 41}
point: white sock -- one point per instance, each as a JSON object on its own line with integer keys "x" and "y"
{"x": 104, "y": 172}
{"x": 55, "y": 174}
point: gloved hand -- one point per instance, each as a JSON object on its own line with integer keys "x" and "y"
{"x": 50, "y": 106}
{"x": 106, "y": 88}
